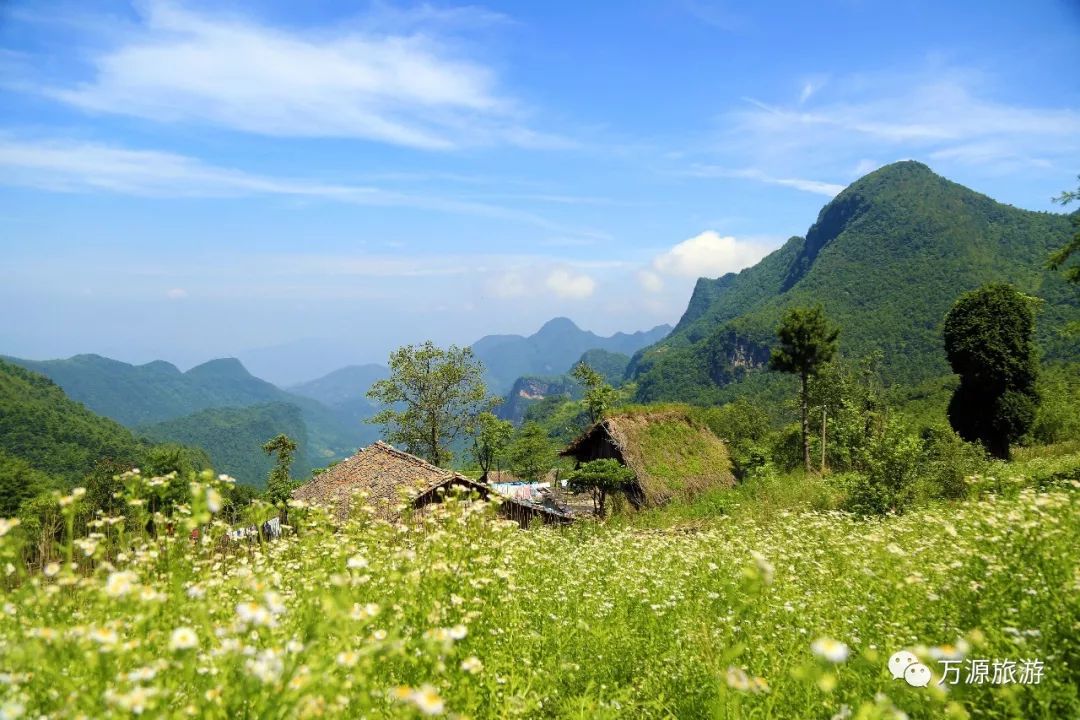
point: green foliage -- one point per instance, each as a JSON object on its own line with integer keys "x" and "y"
{"x": 233, "y": 438}
{"x": 1060, "y": 258}
{"x": 601, "y": 478}
{"x": 279, "y": 485}
{"x": 58, "y": 437}
{"x": 694, "y": 617}
{"x": 806, "y": 342}
{"x": 432, "y": 397}
{"x": 1058, "y": 416}
{"x": 531, "y": 452}
{"x": 20, "y": 481}
{"x": 745, "y": 428}
{"x": 611, "y": 365}
{"x": 988, "y": 341}
{"x": 599, "y": 395}
{"x": 562, "y": 419}
{"x": 886, "y": 258}
{"x": 491, "y": 442}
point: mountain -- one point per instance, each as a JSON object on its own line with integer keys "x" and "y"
{"x": 886, "y": 258}
{"x": 551, "y": 350}
{"x": 529, "y": 390}
{"x": 233, "y": 438}
{"x": 144, "y": 395}
{"x": 56, "y": 435}
{"x": 344, "y": 392}
{"x": 612, "y": 365}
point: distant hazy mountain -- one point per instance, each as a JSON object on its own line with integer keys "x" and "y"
{"x": 551, "y": 350}
{"x": 344, "y": 391}
{"x": 143, "y": 395}
{"x": 886, "y": 258}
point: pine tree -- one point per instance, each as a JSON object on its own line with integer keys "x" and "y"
{"x": 807, "y": 341}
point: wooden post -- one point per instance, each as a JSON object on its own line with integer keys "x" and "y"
{"x": 824, "y": 410}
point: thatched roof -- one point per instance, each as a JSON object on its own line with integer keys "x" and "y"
{"x": 671, "y": 453}
{"x": 385, "y": 473}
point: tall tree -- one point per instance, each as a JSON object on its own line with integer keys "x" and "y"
{"x": 988, "y": 340}
{"x": 532, "y": 453}
{"x": 279, "y": 486}
{"x": 807, "y": 341}
{"x": 599, "y": 395}
{"x": 1059, "y": 258}
{"x": 491, "y": 440}
{"x": 432, "y": 397}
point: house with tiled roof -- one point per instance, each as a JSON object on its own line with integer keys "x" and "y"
{"x": 390, "y": 480}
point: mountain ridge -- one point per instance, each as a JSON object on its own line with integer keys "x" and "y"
{"x": 886, "y": 258}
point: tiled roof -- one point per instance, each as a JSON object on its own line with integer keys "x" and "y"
{"x": 385, "y": 473}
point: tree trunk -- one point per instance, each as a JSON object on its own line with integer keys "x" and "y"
{"x": 805, "y": 401}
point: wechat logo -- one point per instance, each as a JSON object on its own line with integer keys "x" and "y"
{"x": 905, "y": 665}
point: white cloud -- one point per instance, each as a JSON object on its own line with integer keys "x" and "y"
{"x": 76, "y": 166}
{"x": 707, "y": 255}
{"x": 507, "y": 285}
{"x": 650, "y": 281}
{"x": 818, "y": 187}
{"x": 569, "y": 284}
{"x": 395, "y": 85}
{"x": 941, "y": 112}
{"x": 176, "y": 294}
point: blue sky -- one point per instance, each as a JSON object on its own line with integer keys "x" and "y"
{"x": 187, "y": 180}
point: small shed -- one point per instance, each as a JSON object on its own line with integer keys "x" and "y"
{"x": 672, "y": 454}
{"x": 390, "y": 476}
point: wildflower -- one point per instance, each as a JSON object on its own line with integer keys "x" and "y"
{"x": 213, "y": 500}
{"x": 764, "y": 567}
{"x": 357, "y": 562}
{"x": 143, "y": 674}
{"x": 427, "y": 701}
{"x": 347, "y": 659}
{"x": 737, "y": 679}
{"x": 104, "y": 636}
{"x": 51, "y": 569}
{"x": 119, "y": 584}
{"x": 7, "y": 524}
{"x": 472, "y": 665}
{"x": 254, "y": 614}
{"x": 832, "y": 650}
{"x": 183, "y": 638}
{"x": 12, "y": 709}
{"x": 457, "y": 632}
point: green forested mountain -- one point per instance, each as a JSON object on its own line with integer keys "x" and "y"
{"x": 551, "y": 350}
{"x": 233, "y": 438}
{"x": 142, "y": 395}
{"x": 886, "y": 258}
{"x": 40, "y": 425}
{"x": 612, "y": 365}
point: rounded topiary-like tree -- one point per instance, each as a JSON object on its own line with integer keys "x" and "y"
{"x": 988, "y": 340}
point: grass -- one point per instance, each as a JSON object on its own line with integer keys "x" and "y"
{"x": 783, "y": 612}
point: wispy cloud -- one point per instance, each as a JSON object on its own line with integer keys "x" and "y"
{"x": 818, "y": 187}
{"x": 944, "y": 113}
{"x": 76, "y": 166}
{"x": 385, "y": 81}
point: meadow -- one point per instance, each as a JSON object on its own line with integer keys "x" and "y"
{"x": 460, "y": 614}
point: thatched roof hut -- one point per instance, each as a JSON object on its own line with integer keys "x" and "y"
{"x": 390, "y": 477}
{"x": 672, "y": 454}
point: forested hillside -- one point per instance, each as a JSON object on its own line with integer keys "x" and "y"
{"x": 886, "y": 258}
{"x": 141, "y": 395}
{"x": 233, "y": 438}
{"x": 41, "y": 426}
